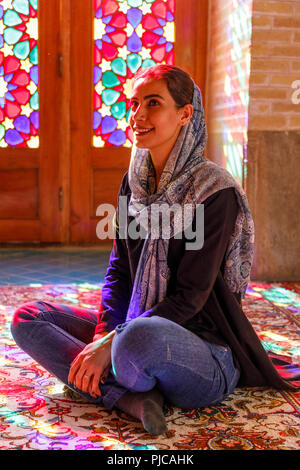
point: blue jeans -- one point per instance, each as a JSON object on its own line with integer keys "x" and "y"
{"x": 146, "y": 353}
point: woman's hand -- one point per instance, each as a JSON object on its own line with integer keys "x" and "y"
{"x": 92, "y": 364}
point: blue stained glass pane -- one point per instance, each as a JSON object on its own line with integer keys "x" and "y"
{"x": 1, "y": 42}
{"x": 12, "y": 137}
{"x": 96, "y": 119}
{"x": 97, "y": 74}
{"x": 108, "y": 124}
{"x": 117, "y": 138}
{"x": 1, "y": 71}
{"x": 1, "y": 12}
{"x": 9, "y": 97}
{"x": 99, "y": 13}
{"x": 34, "y": 74}
{"x": 158, "y": 31}
{"x": 107, "y": 19}
{"x": 109, "y": 29}
{"x": 170, "y": 17}
{"x": 161, "y": 21}
{"x": 134, "y": 17}
{"x": 34, "y": 118}
{"x": 169, "y": 46}
{"x": 134, "y": 43}
{"x": 106, "y": 38}
{"x": 99, "y": 44}
{"x": 22, "y": 124}
{"x": 8, "y": 77}
{"x": 10, "y": 86}
{"x": 162, "y": 40}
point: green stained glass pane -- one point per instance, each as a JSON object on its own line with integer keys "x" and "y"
{"x": 128, "y": 35}
{"x": 119, "y": 67}
{"x": 134, "y": 62}
{"x": 33, "y": 56}
{"x": 34, "y": 101}
{"x": 11, "y": 18}
{"x": 19, "y": 96}
{"x": 110, "y": 96}
{"x": 21, "y": 50}
{"x": 118, "y": 110}
{"x": 34, "y": 4}
{"x": 148, "y": 63}
{"x": 21, "y": 6}
{"x": 11, "y": 35}
{"x": 135, "y": 3}
{"x": 110, "y": 80}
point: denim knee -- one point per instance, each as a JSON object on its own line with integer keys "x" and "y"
{"x": 133, "y": 346}
{"x": 25, "y": 313}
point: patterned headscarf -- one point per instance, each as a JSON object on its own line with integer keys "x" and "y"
{"x": 188, "y": 178}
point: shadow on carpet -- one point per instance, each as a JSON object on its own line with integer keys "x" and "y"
{"x": 34, "y": 414}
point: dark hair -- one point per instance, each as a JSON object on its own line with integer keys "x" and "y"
{"x": 179, "y": 83}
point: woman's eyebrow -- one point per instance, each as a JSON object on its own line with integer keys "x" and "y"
{"x": 149, "y": 96}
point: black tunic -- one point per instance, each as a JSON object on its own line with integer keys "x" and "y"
{"x": 197, "y": 296}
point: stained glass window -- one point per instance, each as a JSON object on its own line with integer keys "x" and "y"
{"x": 128, "y": 35}
{"x": 19, "y": 99}
{"x": 236, "y": 88}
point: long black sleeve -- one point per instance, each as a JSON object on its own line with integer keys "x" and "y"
{"x": 198, "y": 269}
{"x": 117, "y": 287}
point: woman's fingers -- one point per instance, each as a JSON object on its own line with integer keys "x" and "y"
{"x": 94, "y": 389}
{"x": 85, "y": 382}
{"x": 74, "y": 369}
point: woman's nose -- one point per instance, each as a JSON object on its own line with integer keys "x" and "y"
{"x": 139, "y": 112}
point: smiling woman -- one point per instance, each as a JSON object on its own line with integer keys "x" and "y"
{"x": 158, "y": 112}
{"x": 171, "y": 325}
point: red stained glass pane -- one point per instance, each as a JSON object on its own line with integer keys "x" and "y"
{"x": 128, "y": 34}
{"x": 109, "y": 7}
{"x": 19, "y": 77}
{"x": 150, "y": 22}
{"x": 159, "y": 9}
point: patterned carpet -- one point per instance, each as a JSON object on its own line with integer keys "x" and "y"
{"x": 35, "y": 415}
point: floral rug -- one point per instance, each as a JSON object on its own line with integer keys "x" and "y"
{"x": 34, "y": 414}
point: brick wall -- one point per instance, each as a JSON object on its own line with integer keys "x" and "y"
{"x": 271, "y": 128}
{"x": 227, "y": 95}
{"x": 275, "y": 65}
{"x": 273, "y": 166}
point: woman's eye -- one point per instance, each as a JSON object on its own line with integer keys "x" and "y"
{"x": 133, "y": 104}
{"x": 153, "y": 102}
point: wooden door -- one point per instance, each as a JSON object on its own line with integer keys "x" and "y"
{"x": 50, "y": 193}
{"x": 96, "y": 172}
{"x": 29, "y": 116}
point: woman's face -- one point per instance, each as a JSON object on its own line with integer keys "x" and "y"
{"x": 154, "y": 118}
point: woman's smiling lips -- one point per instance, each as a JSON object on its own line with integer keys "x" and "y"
{"x": 142, "y": 131}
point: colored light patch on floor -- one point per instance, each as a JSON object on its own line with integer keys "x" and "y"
{"x": 34, "y": 414}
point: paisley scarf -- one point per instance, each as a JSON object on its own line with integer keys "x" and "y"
{"x": 188, "y": 178}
